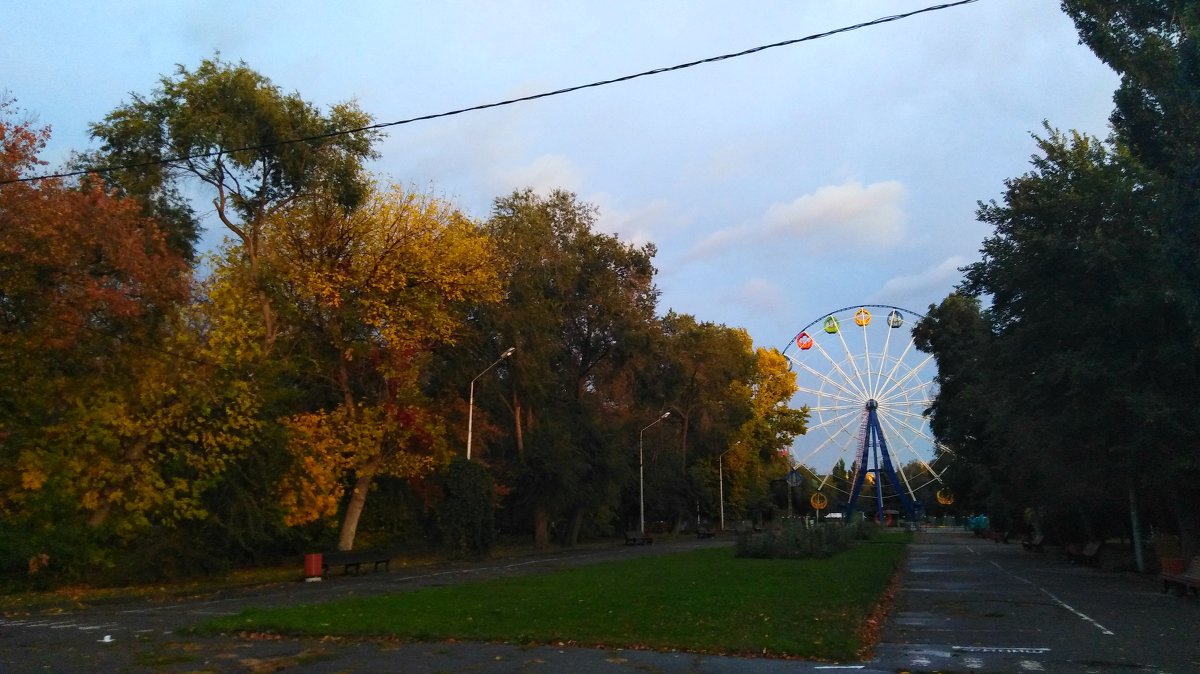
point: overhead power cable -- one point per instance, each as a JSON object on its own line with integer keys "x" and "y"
{"x": 511, "y": 101}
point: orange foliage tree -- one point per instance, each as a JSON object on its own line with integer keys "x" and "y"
{"x": 362, "y": 297}
{"x": 108, "y": 412}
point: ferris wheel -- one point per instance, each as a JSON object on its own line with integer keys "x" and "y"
{"x": 868, "y": 389}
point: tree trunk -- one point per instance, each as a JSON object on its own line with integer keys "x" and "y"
{"x": 541, "y": 527}
{"x": 683, "y": 436}
{"x": 1185, "y": 515}
{"x": 1136, "y": 531}
{"x": 518, "y": 431}
{"x": 362, "y": 481}
{"x": 358, "y": 499}
{"x": 571, "y": 535}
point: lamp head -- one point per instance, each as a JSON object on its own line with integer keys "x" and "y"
{"x": 511, "y": 350}
{"x": 665, "y": 415}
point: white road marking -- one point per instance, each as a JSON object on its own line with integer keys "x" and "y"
{"x": 536, "y": 561}
{"x": 1001, "y": 649}
{"x": 1032, "y": 666}
{"x": 1103, "y": 630}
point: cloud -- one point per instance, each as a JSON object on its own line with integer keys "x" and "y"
{"x": 545, "y": 174}
{"x": 929, "y": 286}
{"x": 760, "y": 295}
{"x": 640, "y": 224}
{"x": 834, "y": 216}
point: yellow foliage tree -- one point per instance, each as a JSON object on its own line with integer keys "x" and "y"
{"x": 771, "y": 428}
{"x": 363, "y": 297}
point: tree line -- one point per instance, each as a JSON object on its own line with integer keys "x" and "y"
{"x": 168, "y": 411}
{"x": 1069, "y": 356}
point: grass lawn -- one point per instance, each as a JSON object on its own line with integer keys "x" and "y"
{"x": 706, "y": 600}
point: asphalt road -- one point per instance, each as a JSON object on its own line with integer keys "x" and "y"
{"x": 966, "y": 605}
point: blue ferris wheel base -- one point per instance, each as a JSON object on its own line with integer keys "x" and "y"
{"x": 874, "y": 452}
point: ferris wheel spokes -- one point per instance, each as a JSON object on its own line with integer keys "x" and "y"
{"x": 891, "y": 376}
{"x": 835, "y": 435}
{"x": 897, "y": 383}
{"x": 867, "y": 359}
{"x": 883, "y": 360}
{"x": 908, "y": 414}
{"x": 828, "y": 379}
{"x": 853, "y": 362}
{"x": 913, "y": 450}
{"x": 846, "y": 379}
{"x": 849, "y": 396}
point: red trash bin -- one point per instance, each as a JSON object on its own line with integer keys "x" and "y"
{"x": 312, "y": 567}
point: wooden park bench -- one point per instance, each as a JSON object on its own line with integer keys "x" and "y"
{"x": 637, "y": 538}
{"x": 1184, "y": 582}
{"x": 705, "y": 533}
{"x": 1034, "y": 543}
{"x": 1084, "y": 554}
{"x": 354, "y": 559}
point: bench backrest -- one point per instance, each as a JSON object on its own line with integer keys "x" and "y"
{"x": 1193, "y": 569}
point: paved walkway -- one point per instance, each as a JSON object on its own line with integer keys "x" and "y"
{"x": 966, "y": 606}
{"x": 970, "y": 605}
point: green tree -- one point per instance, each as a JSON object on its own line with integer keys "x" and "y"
{"x": 466, "y": 515}
{"x": 578, "y": 308}
{"x": 1155, "y": 48}
{"x": 235, "y": 133}
{"x": 1047, "y": 396}
{"x": 706, "y": 378}
{"x": 957, "y": 332}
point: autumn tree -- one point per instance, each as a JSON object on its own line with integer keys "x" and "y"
{"x": 100, "y": 426}
{"x": 763, "y": 450}
{"x": 362, "y": 297}
{"x": 724, "y": 396}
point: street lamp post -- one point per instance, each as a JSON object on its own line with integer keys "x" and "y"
{"x": 721, "y": 480}
{"x": 471, "y": 403}
{"x": 642, "y": 476}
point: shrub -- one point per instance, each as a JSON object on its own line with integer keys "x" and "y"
{"x": 801, "y": 539}
{"x": 466, "y": 518}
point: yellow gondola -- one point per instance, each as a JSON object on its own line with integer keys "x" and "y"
{"x": 862, "y": 317}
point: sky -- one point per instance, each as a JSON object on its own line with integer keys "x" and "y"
{"x": 776, "y": 187}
